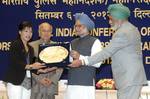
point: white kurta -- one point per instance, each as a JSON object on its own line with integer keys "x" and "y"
{"x": 80, "y": 91}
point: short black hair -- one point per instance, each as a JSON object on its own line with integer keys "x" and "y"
{"x": 24, "y": 24}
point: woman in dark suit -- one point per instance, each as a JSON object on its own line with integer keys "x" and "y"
{"x": 18, "y": 77}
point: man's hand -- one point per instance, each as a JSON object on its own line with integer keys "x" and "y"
{"x": 46, "y": 70}
{"x": 45, "y": 82}
{"x": 74, "y": 54}
{"x": 51, "y": 69}
{"x": 75, "y": 63}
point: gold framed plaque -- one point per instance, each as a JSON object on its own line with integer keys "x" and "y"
{"x": 54, "y": 54}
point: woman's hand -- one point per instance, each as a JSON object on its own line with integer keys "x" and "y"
{"x": 35, "y": 65}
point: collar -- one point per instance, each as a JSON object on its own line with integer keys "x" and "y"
{"x": 42, "y": 42}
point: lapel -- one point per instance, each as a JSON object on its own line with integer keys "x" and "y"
{"x": 23, "y": 51}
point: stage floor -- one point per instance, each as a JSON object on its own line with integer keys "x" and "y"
{"x": 100, "y": 94}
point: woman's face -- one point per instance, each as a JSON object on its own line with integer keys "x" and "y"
{"x": 26, "y": 34}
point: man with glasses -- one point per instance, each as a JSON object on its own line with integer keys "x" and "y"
{"x": 81, "y": 81}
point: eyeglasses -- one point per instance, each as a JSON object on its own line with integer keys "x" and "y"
{"x": 43, "y": 31}
{"x": 79, "y": 26}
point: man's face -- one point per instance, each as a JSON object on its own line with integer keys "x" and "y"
{"x": 45, "y": 32}
{"x": 114, "y": 23}
{"x": 80, "y": 29}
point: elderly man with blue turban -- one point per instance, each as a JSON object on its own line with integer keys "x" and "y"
{"x": 81, "y": 81}
{"x": 125, "y": 51}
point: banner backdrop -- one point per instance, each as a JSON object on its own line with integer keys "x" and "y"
{"x": 60, "y": 13}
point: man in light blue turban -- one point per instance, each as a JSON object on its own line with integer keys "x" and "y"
{"x": 81, "y": 81}
{"x": 125, "y": 52}
{"x": 84, "y": 20}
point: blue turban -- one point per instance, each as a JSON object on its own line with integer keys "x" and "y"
{"x": 118, "y": 11}
{"x": 85, "y": 20}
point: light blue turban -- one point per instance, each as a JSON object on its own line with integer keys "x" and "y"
{"x": 85, "y": 20}
{"x": 118, "y": 11}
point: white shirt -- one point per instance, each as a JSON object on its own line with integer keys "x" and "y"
{"x": 95, "y": 49}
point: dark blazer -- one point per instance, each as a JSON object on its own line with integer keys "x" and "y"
{"x": 16, "y": 70}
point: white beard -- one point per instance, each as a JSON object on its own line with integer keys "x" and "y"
{"x": 84, "y": 32}
{"x": 115, "y": 27}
